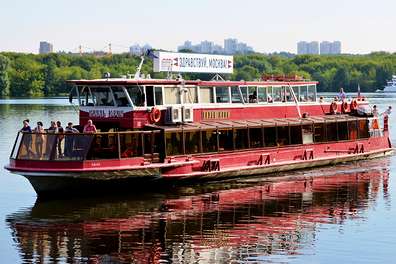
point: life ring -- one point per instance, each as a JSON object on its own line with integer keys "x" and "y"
{"x": 155, "y": 115}
{"x": 333, "y": 107}
{"x": 344, "y": 107}
{"x": 353, "y": 105}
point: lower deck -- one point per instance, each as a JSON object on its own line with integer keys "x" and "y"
{"x": 205, "y": 151}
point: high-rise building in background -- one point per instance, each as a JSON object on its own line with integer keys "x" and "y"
{"x": 327, "y": 47}
{"x": 138, "y": 50}
{"x": 336, "y": 47}
{"x": 231, "y": 46}
{"x": 302, "y": 47}
{"x": 46, "y": 47}
{"x": 313, "y": 47}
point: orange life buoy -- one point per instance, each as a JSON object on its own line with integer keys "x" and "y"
{"x": 344, "y": 107}
{"x": 354, "y": 104}
{"x": 375, "y": 124}
{"x": 333, "y": 107}
{"x": 155, "y": 115}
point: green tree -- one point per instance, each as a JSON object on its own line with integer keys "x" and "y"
{"x": 4, "y": 80}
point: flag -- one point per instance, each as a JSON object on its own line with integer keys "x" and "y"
{"x": 150, "y": 54}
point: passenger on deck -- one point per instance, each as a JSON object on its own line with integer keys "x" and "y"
{"x": 27, "y": 139}
{"x": 341, "y": 95}
{"x": 69, "y": 139}
{"x": 253, "y": 97}
{"x": 375, "y": 111}
{"x": 39, "y": 131}
{"x": 60, "y": 138}
{"x": 52, "y": 141}
{"x": 387, "y": 112}
{"x": 89, "y": 127}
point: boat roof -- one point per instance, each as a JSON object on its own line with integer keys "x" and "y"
{"x": 126, "y": 81}
{"x": 228, "y": 124}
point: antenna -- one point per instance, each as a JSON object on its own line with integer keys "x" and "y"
{"x": 110, "y": 52}
{"x": 80, "y": 49}
{"x": 139, "y": 68}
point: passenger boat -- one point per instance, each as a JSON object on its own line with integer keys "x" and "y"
{"x": 175, "y": 129}
{"x": 390, "y": 85}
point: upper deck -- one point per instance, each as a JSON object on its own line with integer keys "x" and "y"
{"x": 179, "y": 101}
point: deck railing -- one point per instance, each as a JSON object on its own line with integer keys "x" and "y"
{"x": 82, "y": 146}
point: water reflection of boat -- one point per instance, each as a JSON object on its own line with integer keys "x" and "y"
{"x": 223, "y": 219}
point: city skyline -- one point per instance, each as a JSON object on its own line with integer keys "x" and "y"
{"x": 359, "y": 25}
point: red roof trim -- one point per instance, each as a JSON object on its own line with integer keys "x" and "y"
{"x": 187, "y": 82}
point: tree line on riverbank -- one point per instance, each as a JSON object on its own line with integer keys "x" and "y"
{"x": 29, "y": 75}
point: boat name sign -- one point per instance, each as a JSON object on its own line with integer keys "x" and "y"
{"x": 192, "y": 62}
{"x": 106, "y": 113}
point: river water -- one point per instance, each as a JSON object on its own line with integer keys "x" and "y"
{"x": 339, "y": 214}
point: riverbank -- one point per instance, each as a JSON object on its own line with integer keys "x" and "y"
{"x": 45, "y": 75}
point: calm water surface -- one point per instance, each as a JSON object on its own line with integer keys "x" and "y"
{"x": 339, "y": 214}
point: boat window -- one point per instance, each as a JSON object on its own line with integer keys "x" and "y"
{"x": 104, "y": 146}
{"x": 283, "y": 136}
{"x": 288, "y": 97}
{"x": 256, "y": 137}
{"x": 331, "y": 129}
{"x": 319, "y": 132}
{"x": 270, "y": 96}
{"x": 174, "y": 143}
{"x": 296, "y": 91}
{"x": 152, "y": 145}
{"x": 353, "y": 130}
{"x": 342, "y": 130}
{"x": 244, "y": 92}
{"x": 131, "y": 145}
{"x": 307, "y": 134}
{"x": 225, "y": 139}
{"x": 252, "y": 94}
{"x": 190, "y": 95}
{"x": 222, "y": 95}
{"x": 158, "y": 95}
{"x": 86, "y": 98}
{"x": 241, "y": 138}
{"x": 136, "y": 94}
{"x": 102, "y": 96}
{"x": 262, "y": 94}
{"x": 270, "y": 136}
{"x": 172, "y": 95}
{"x": 236, "y": 95}
{"x": 209, "y": 141}
{"x": 303, "y": 94}
{"x": 120, "y": 97}
{"x": 149, "y": 95}
{"x": 363, "y": 129}
{"x": 296, "y": 135}
{"x": 206, "y": 95}
{"x": 311, "y": 93}
{"x": 277, "y": 94}
{"x": 192, "y": 142}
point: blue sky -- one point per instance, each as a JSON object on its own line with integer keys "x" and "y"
{"x": 362, "y": 26}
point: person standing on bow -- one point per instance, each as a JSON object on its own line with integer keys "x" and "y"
{"x": 341, "y": 94}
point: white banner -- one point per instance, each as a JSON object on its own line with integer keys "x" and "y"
{"x": 191, "y": 62}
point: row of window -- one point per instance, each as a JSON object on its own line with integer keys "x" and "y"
{"x": 218, "y": 140}
{"x": 155, "y": 144}
{"x": 158, "y": 95}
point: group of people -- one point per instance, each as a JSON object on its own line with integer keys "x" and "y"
{"x": 55, "y": 128}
